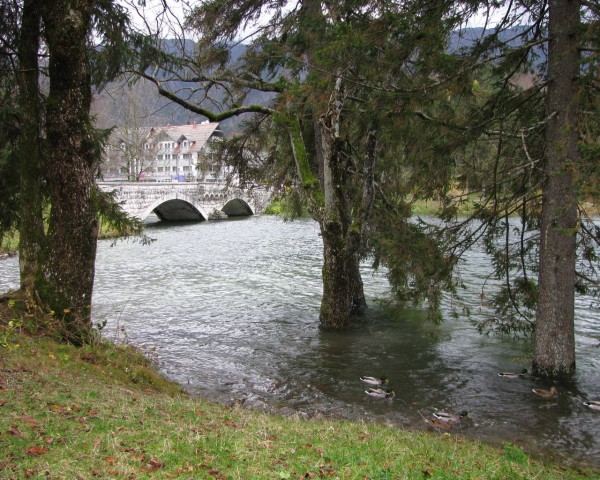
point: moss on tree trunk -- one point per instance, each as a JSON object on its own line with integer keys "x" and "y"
{"x": 67, "y": 277}
{"x": 29, "y": 149}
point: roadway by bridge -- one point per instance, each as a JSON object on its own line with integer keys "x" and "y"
{"x": 187, "y": 200}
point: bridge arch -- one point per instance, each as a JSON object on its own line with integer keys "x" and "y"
{"x": 237, "y": 207}
{"x": 185, "y": 201}
{"x": 176, "y": 207}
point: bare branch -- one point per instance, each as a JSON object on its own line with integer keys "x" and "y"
{"x": 212, "y": 116}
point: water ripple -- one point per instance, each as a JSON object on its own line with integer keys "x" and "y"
{"x": 232, "y": 310}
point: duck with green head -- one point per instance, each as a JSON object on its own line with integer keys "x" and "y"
{"x": 376, "y": 382}
{"x": 451, "y": 417}
{"x": 380, "y": 393}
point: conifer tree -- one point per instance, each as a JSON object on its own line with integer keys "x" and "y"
{"x": 322, "y": 63}
{"x": 65, "y": 278}
{"x": 532, "y": 115}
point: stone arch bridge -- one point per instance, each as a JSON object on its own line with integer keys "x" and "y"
{"x": 186, "y": 201}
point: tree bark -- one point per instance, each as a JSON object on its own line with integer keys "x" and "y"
{"x": 341, "y": 227}
{"x": 554, "y": 339}
{"x": 29, "y": 149}
{"x": 67, "y": 277}
{"x": 343, "y": 292}
{"x": 337, "y": 301}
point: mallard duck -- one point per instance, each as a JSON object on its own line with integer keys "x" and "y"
{"x": 439, "y": 424}
{"x": 593, "y": 404}
{"x": 553, "y": 392}
{"x": 375, "y": 381}
{"x": 513, "y": 375}
{"x": 380, "y": 393}
{"x": 450, "y": 417}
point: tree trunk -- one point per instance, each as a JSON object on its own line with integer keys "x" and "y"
{"x": 554, "y": 339}
{"x": 68, "y": 273}
{"x": 343, "y": 292}
{"x": 337, "y": 300}
{"x": 342, "y": 284}
{"x": 29, "y": 149}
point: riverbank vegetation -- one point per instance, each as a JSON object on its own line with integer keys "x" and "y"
{"x": 364, "y": 108}
{"x": 102, "y": 411}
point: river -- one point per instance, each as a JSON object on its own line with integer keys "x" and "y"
{"x": 229, "y": 309}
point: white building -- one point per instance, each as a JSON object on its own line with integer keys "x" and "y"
{"x": 173, "y": 153}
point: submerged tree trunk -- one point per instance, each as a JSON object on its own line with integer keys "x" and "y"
{"x": 67, "y": 277}
{"x": 554, "y": 340}
{"x": 29, "y": 149}
{"x": 337, "y": 300}
{"x": 329, "y": 204}
{"x": 342, "y": 284}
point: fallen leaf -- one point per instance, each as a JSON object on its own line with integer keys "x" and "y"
{"x": 30, "y": 421}
{"x": 111, "y": 460}
{"x": 35, "y": 451}
{"x": 153, "y": 465}
{"x": 327, "y": 470}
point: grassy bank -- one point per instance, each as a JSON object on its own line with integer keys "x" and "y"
{"x": 9, "y": 244}
{"x": 103, "y": 412}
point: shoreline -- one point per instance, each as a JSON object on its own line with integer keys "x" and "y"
{"x": 103, "y": 410}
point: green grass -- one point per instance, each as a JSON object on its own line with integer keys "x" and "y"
{"x": 10, "y": 242}
{"x": 433, "y": 207}
{"x": 103, "y": 412}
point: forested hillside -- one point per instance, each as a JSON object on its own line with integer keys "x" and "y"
{"x": 109, "y": 104}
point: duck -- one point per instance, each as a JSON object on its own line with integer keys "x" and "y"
{"x": 450, "y": 417}
{"x": 513, "y": 375}
{"x": 439, "y": 424}
{"x": 553, "y": 392}
{"x": 378, "y": 382}
{"x": 593, "y": 404}
{"x": 380, "y": 393}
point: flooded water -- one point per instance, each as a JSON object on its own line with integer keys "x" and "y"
{"x": 230, "y": 309}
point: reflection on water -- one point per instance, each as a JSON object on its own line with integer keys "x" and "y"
{"x": 232, "y": 310}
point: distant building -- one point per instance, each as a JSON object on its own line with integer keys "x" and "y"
{"x": 173, "y": 153}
